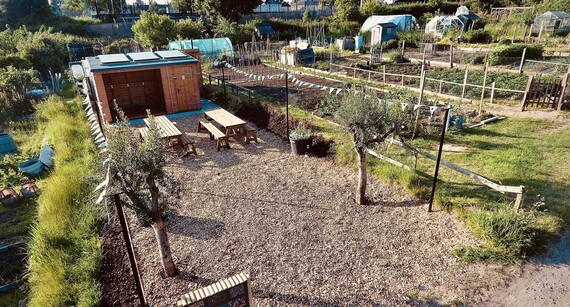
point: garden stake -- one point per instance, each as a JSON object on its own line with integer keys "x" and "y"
{"x": 438, "y": 159}
{"x": 130, "y": 250}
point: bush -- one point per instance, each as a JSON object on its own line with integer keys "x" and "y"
{"x": 505, "y": 41}
{"x": 189, "y": 29}
{"x": 502, "y": 54}
{"x": 473, "y": 59}
{"x": 509, "y": 232}
{"x": 329, "y": 105}
{"x": 397, "y": 57}
{"x": 389, "y": 44}
{"x": 477, "y": 36}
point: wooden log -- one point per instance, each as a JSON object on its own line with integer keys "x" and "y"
{"x": 483, "y": 180}
{"x": 562, "y": 91}
{"x": 391, "y": 161}
{"x": 464, "y": 84}
{"x": 492, "y": 92}
{"x": 522, "y": 61}
{"x": 484, "y": 84}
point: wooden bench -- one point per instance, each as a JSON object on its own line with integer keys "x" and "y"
{"x": 188, "y": 145}
{"x": 215, "y": 133}
{"x": 250, "y": 134}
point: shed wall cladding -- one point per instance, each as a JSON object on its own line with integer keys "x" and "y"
{"x": 162, "y": 86}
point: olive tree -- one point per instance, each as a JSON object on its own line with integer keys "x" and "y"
{"x": 137, "y": 169}
{"x": 368, "y": 121}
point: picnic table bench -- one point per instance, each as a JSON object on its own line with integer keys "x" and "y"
{"x": 215, "y": 133}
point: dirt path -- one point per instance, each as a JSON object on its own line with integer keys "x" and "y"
{"x": 545, "y": 281}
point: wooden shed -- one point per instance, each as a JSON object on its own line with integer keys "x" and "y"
{"x": 164, "y": 82}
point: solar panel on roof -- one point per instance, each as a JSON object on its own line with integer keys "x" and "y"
{"x": 143, "y": 56}
{"x": 171, "y": 54}
{"x": 113, "y": 58}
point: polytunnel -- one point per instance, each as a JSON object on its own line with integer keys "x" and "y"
{"x": 210, "y": 48}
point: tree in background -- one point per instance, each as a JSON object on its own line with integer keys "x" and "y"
{"x": 182, "y": 5}
{"x": 369, "y": 122}
{"x": 216, "y": 9}
{"x": 19, "y": 12}
{"x": 238, "y": 34}
{"x": 347, "y": 10}
{"x": 189, "y": 29}
{"x": 153, "y": 30}
{"x": 137, "y": 169}
{"x": 14, "y": 87}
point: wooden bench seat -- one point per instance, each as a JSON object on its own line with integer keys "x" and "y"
{"x": 215, "y": 133}
{"x": 188, "y": 145}
{"x": 250, "y": 134}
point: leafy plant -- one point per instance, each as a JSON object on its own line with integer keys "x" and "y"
{"x": 300, "y": 134}
{"x": 153, "y": 30}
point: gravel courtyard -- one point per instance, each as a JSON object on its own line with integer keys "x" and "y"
{"x": 291, "y": 223}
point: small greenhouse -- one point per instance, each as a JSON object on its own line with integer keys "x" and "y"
{"x": 210, "y": 48}
{"x": 462, "y": 20}
{"x": 404, "y": 22}
{"x": 552, "y": 21}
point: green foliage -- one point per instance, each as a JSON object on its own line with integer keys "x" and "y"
{"x": 17, "y": 11}
{"x": 477, "y": 59}
{"x": 182, "y": 5}
{"x": 65, "y": 248}
{"x": 300, "y": 134}
{"x": 366, "y": 119}
{"x": 477, "y": 36}
{"x": 412, "y": 38}
{"x": 418, "y": 8}
{"x": 347, "y": 10}
{"x": 506, "y": 230}
{"x": 118, "y": 46}
{"x": 307, "y": 16}
{"x": 329, "y": 105}
{"x": 189, "y": 29}
{"x": 397, "y": 57}
{"x": 553, "y": 5}
{"x": 503, "y": 54}
{"x": 344, "y": 28}
{"x": 153, "y": 30}
{"x": 219, "y": 9}
{"x": 14, "y": 84}
{"x": 389, "y": 44}
{"x": 238, "y": 34}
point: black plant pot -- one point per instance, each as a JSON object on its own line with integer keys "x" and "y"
{"x": 300, "y": 147}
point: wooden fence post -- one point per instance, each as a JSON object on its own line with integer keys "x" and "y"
{"x": 384, "y": 73}
{"x": 484, "y": 84}
{"x": 522, "y": 61}
{"x": 331, "y": 58}
{"x": 369, "y": 76}
{"x": 519, "y": 199}
{"x": 564, "y": 85}
{"x": 402, "y": 79}
{"x": 354, "y": 73}
{"x": 492, "y": 92}
{"x": 527, "y": 91}
{"x": 464, "y": 84}
{"x": 451, "y": 56}
{"x": 403, "y": 48}
{"x": 440, "y": 86}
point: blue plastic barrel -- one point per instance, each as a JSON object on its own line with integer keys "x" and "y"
{"x": 32, "y": 167}
{"x": 7, "y": 144}
{"x": 46, "y": 156}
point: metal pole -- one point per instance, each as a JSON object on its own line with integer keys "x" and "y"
{"x": 287, "y": 101}
{"x": 224, "y": 85}
{"x": 130, "y": 250}
{"x": 438, "y": 158}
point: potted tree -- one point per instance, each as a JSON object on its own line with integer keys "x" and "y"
{"x": 301, "y": 139}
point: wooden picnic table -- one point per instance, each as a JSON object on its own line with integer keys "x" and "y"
{"x": 235, "y": 126}
{"x": 167, "y": 130}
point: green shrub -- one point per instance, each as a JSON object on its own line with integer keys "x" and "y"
{"x": 389, "y": 44}
{"x": 473, "y": 59}
{"x": 503, "y": 54}
{"x": 477, "y": 36}
{"x": 509, "y": 232}
{"x": 505, "y": 41}
{"x": 397, "y": 57}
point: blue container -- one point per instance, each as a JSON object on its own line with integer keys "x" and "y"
{"x": 46, "y": 156}
{"x": 32, "y": 167}
{"x": 7, "y": 144}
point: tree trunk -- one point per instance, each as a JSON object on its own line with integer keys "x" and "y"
{"x": 160, "y": 231}
{"x": 361, "y": 190}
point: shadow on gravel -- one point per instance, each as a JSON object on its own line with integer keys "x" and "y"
{"x": 559, "y": 253}
{"x": 195, "y": 227}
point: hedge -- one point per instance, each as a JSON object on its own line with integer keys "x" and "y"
{"x": 503, "y": 54}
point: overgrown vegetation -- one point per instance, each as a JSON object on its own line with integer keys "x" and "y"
{"x": 504, "y": 54}
{"x": 65, "y": 248}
